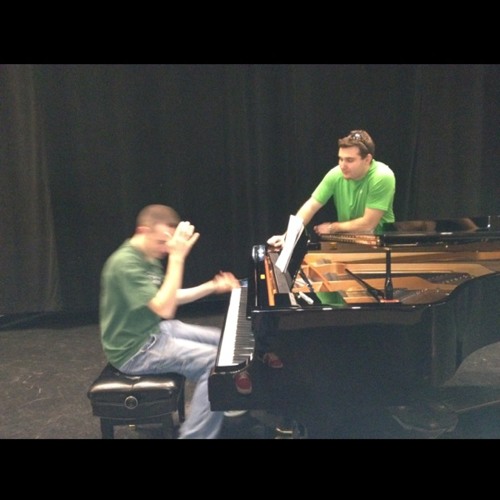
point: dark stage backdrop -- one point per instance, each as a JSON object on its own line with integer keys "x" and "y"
{"x": 234, "y": 148}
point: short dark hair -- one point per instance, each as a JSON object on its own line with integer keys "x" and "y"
{"x": 360, "y": 139}
{"x": 151, "y": 215}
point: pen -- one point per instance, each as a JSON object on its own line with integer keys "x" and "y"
{"x": 303, "y": 296}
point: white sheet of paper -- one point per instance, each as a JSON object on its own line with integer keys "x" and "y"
{"x": 293, "y": 233}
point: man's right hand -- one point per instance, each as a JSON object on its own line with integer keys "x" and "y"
{"x": 182, "y": 240}
{"x": 277, "y": 241}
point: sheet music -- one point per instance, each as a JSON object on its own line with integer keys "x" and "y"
{"x": 293, "y": 233}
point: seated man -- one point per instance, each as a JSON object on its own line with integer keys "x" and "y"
{"x": 138, "y": 303}
{"x": 362, "y": 190}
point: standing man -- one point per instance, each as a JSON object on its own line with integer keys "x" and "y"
{"x": 138, "y": 303}
{"x": 362, "y": 189}
{"x": 363, "y": 192}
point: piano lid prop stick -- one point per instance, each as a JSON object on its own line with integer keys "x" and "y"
{"x": 388, "y": 287}
{"x": 388, "y": 297}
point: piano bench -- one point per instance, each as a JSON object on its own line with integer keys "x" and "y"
{"x": 119, "y": 399}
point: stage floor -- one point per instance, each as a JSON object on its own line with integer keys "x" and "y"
{"x": 48, "y": 364}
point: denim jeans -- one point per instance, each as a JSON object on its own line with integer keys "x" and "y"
{"x": 191, "y": 351}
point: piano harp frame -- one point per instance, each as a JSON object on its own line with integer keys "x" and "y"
{"x": 404, "y": 275}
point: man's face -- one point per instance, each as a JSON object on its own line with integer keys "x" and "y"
{"x": 156, "y": 239}
{"x": 352, "y": 165}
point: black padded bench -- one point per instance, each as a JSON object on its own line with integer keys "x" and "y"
{"x": 119, "y": 399}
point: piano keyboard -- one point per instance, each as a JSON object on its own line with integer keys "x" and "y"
{"x": 237, "y": 342}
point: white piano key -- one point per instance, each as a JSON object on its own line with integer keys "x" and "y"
{"x": 237, "y": 342}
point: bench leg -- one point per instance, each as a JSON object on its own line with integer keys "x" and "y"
{"x": 107, "y": 429}
{"x": 167, "y": 426}
{"x": 181, "y": 410}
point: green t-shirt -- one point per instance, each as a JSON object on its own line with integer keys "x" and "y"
{"x": 375, "y": 190}
{"x": 128, "y": 283}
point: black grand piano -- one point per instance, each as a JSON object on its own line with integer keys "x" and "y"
{"x": 361, "y": 320}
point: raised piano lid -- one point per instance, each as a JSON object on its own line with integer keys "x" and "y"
{"x": 452, "y": 231}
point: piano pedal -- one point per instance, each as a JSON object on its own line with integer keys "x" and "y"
{"x": 235, "y": 413}
{"x": 291, "y": 429}
{"x": 283, "y": 432}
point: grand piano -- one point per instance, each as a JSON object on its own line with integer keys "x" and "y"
{"x": 361, "y": 321}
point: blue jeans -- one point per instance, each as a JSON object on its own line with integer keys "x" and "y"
{"x": 191, "y": 351}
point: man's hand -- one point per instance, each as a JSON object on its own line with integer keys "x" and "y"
{"x": 325, "y": 228}
{"x": 225, "y": 282}
{"x": 182, "y": 240}
{"x": 276, "y": 241}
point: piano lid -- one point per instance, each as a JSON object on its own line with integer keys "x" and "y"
{"x": 426, "y": 232}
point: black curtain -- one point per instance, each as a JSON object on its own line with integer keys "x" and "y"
{"x": 234, "y": 148}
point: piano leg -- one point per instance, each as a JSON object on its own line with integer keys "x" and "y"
{"x": 265, "y": 336}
